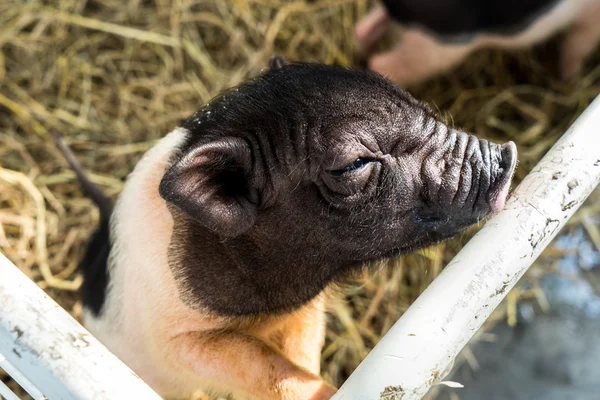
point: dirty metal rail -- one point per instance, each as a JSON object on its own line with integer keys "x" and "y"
{"x": 423, "y": 343}
{"x": 51, "y": 355}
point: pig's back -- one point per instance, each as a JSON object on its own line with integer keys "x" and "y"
{"x": 467, "y": 17}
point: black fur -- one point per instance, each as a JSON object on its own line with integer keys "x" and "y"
{"x": 465, "y": 18}
{"x": 268, "y": 208}
{"x": 94, "y": 267}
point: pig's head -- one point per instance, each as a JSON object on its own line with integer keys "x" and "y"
{"x": 288, "y": 181}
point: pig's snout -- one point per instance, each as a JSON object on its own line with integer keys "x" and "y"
{"x": 505, "y": 169}
{"x": 471, "y": 180}
{"x": 476, "y": 182}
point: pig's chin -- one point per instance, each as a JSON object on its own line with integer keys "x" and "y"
{"x": 430, "y": 238}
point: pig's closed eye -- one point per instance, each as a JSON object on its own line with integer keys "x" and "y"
{"x": 356, "y": 165}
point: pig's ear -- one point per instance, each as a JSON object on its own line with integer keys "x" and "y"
{"x": 211, "y": 183}
{"x": 277, "y": 62}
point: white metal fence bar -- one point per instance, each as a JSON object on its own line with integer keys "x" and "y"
{"x": 6, "y": 393}
{"x": 44, "y": 343}
{"x": 20, "y": 378}
{"x": 425, "y": 340}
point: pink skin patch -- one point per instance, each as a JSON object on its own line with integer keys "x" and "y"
{"x": 500, "y": 201}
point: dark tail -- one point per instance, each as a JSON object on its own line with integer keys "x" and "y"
{"x": 94, "y": 265}
{"x": 92, "y": 190}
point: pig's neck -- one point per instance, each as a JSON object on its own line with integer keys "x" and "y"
{"x": 236, "y": 277}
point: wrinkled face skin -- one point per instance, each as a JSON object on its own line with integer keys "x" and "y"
{"x": 291, "y": 180}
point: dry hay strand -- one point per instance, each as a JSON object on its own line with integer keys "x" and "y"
{"x": 113, "y": 76}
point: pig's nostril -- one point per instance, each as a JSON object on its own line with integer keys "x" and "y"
{"x": 498, "y": 192}
{"x": 508, "y": 156}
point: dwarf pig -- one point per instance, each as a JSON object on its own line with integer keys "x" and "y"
{"x": 208, "y": 274}
{"x": 438, "y": 34}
